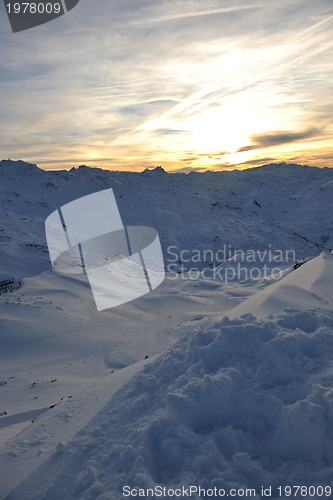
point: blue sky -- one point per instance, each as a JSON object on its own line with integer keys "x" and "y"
{"x": 130, "y": 84}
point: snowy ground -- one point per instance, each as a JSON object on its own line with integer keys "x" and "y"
{"x": 236, "y": 391}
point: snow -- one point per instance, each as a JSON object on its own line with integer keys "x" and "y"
{"x": 202, "y": 382}
{"x": 296, "y": 289}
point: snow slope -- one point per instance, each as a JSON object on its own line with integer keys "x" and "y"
{"x": 310, "y": 283}
{"x": 235, "y": 404}
{"x": 239, "y": 400}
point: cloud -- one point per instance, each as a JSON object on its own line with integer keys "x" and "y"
{"x": 276, "y": 138}
{"x": 259, "y": 161}
{"x": 134, "y": 83}
{"x": 243, "y": 149}
{"x": 200, "y": 13}
{"x": 146, "y": 109}
{"x": 170, "y": 131}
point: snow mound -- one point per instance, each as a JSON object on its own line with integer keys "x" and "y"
{"x": 310, "y": 283}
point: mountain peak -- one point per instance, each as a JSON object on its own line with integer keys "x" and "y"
{"x": 18, "y": 167}
{"x": 157, "y": 170}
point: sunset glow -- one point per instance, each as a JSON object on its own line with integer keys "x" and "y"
{"x": 172, "y": 85}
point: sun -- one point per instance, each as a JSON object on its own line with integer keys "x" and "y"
{"x": 225, "y": 128}
{"x": 92, "y": 154}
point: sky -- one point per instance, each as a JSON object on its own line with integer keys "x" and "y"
{"x": 185, "y": 84}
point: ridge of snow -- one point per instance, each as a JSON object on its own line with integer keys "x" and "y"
{"x": 305, "y": 278}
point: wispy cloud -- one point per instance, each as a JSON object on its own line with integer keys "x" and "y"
{"x": 169, "y": 83}
{"x": 186, "y": 14}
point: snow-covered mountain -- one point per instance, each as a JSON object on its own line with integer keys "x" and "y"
{"x": 285, "y": 206}
{"x": 236, "y": 388}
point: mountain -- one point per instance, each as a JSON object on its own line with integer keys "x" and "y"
{"x": 207, "y": 381}
{"x": 281, "y": 205}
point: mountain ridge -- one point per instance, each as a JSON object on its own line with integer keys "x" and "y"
{"x": 240, "y": 209}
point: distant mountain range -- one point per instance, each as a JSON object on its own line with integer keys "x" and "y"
{"x": 278, "y": 206}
